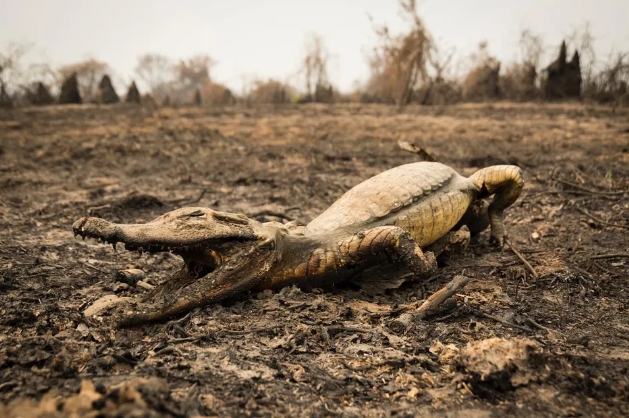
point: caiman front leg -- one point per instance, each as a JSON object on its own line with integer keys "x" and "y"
{"x": 505, "y": 182}
{"x": 394, "y": 242}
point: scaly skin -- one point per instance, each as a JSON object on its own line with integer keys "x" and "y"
{"x": 393, "y": 215}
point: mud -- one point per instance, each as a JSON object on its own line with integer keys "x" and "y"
{"x": 516, "y": 344}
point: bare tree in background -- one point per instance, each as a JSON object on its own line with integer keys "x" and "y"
{"x": 399, "y": 63}
{"x": 531, "y": 48}
{"x": 155, "y": 70}
{"x": 582, "y": 40}
{"x": 194, "y": 72}
{"x": 89, "y": 74}
{"x": 11, "y": 72}
{"x": 441, "y": 86}
{"x": 314, "y": 69}
{"x": 19, "y": 80}
{"x": 521, "y": 80}
{"x": 483, "y": 81}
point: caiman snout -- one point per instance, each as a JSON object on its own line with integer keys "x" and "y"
{"x": 100, "y": 229}
{"x": 177, "y": 231}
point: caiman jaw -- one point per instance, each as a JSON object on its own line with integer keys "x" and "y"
{"x": 205, "y": 239}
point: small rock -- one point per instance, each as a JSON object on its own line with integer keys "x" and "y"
{"x": 120, "y": 287}
{"x": 145, "y": 285}
{"x": 103, "y": 303}
{"x": 535, "y": 236}
{"x": 83, "y": 330}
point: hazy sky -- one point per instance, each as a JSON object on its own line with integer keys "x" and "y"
{"x": 265, "y": 38}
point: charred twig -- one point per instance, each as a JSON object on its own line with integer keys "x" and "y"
{"x": 91, "y": 209}
{"x": 186, "y": 201}
{"x": 612, "y": 255}
{"x": 336, "y": 329}
{"x": 600, "y": 221}
{"x": 249, "y": 331}
{"x": 355, "y": 369}
{"x": 430, "y": 306}
{"x": 422, "y": 153}
{"x": 585, "y": 189}
{"x": 272, "y": 213}
{"x": 499, "y": 320}
{"x": 522, "y": 259}
{"x": 541, "y": 327}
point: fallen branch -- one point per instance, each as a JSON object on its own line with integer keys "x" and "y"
{"x": 431, "y": 306}
{"x": 187, "y": 201}
{"x": 541, "y": 327}
{"x": 272, "y": 213}
{"x": 92, "y": 209}
{"x": 499, "y": 320}
{"x": 600, "y": 221}
{"x": 584, "y": 189}
{"x": 412, "y": 148}
{"x": 612, "y": 255}
{"x": 522, "y": 259}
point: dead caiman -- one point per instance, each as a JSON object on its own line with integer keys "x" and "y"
{"x": 396, "y": 215}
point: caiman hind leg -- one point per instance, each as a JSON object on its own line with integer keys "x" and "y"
{"x": 505, "y": 182}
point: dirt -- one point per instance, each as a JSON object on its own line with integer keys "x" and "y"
{"x": 551, "y": 344}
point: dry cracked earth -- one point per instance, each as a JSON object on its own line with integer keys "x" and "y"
{"x": 548, "y": 339}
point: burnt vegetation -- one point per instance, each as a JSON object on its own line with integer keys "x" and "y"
{"x": 408, "y": 67}
{"x": 539, "y": 330}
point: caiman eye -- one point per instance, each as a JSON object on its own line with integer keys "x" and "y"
{"x": 196, "y": 213}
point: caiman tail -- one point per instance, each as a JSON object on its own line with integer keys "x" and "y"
{"x": 505, "y": 182}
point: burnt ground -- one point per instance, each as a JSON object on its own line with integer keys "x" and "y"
{"x": 552, "y": 345}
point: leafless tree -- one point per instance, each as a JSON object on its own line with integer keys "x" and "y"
{"x": 531, "y": 48}
{"x": 155, "y": 70}
{"x": 18, "y": 79}
{"x": 195, "y": 71}
{"x": 399, "y": 63}
{"x": 314, "y": 67}
{"x": 89, "y": 73}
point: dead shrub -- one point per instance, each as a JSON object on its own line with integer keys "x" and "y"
{"x": 218, "y": 94}
{"x": 6, "y": 101}
{"x": 148, "y": 100}
{"x": 107, "y": 92}
{"x": 133, "y": 94}
{"x": 18, "y": 80}
{"x": 156, "y": 71}
{"x": 563, "y": 78}
{"x": 399, "y": 63}
{"x": 179, "y": 81}
{"x": 39, "y": 95}
{"x": 483, "y": 81}
{"x": 611, "y": 84}
{"x": 441, "y": 86}
{"x": 438, "y": 91}
{"x": 88, "y": 74}
{"x": 315, "y": 72}
{"x": 518, "y": 82}
{"x": 197, "y": 100}
{"x": 70, "y": 93}
{"x": 271, "y": 91}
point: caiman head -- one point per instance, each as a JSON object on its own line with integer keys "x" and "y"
{"x": 204, "y": 238}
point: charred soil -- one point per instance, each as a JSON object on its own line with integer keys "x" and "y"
{"x": 552, "y": 343}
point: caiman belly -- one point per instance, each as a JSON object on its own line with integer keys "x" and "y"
{"x": 427, "y": 199}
